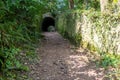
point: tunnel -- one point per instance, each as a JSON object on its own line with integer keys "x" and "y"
{"x": 46, "y": 23}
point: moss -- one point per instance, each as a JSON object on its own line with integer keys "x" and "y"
{"x": 77, "y": 39}
{"x": 89, "y": 46}
{"x": 92, "y": 48}
{"x": 84, "y": 44}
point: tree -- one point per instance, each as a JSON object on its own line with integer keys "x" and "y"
{"x": 71, "y": 4}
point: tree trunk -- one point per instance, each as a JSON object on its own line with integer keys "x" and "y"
{"x": 103, "y": 5}
{"x": 71, "y": 4}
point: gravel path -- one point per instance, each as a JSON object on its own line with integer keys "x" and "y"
{"x": 59, "y": 61}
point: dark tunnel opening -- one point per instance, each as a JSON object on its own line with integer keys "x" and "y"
{"x": 46, "y": 23}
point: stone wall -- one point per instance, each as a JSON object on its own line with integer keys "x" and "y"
{"x": 92, "y": 30}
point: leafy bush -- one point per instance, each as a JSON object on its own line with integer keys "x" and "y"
{"x": 110, "y": 60}
{"x": 19, "y": 29}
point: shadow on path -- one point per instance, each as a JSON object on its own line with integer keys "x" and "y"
{"x": 59, "y": 61}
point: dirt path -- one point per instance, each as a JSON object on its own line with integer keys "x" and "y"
{"x": 58, "y": 61}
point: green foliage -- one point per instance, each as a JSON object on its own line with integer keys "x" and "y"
{"x": 112, "y": 62}
{"x": 17, "y": 23}
{"x": 87, "y": 4}
{"x": 109, "y": 60}
{"x": 63, "y": 5}
{"x": 10, "y": 59}
{"x": 19, "y": 29}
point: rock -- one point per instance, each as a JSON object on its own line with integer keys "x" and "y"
{"x": 37, "y": 78}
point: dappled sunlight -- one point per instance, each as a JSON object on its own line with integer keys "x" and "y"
{"x": 80, "y": 68}
{"x": 64, "y": 61}
{"x": 76, "y": 61}
{"x": 59, "y": 39}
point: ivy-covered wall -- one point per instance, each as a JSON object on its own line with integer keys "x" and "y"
{"x": 93, "y": 30}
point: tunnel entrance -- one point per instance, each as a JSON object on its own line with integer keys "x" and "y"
{"x": 47, "y": 23}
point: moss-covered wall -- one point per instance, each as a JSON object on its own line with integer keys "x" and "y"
{"x": 92, "y": 30}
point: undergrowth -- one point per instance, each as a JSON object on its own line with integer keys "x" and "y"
{"x": 111, "y": 63}
{"x": 19, "y": 31}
